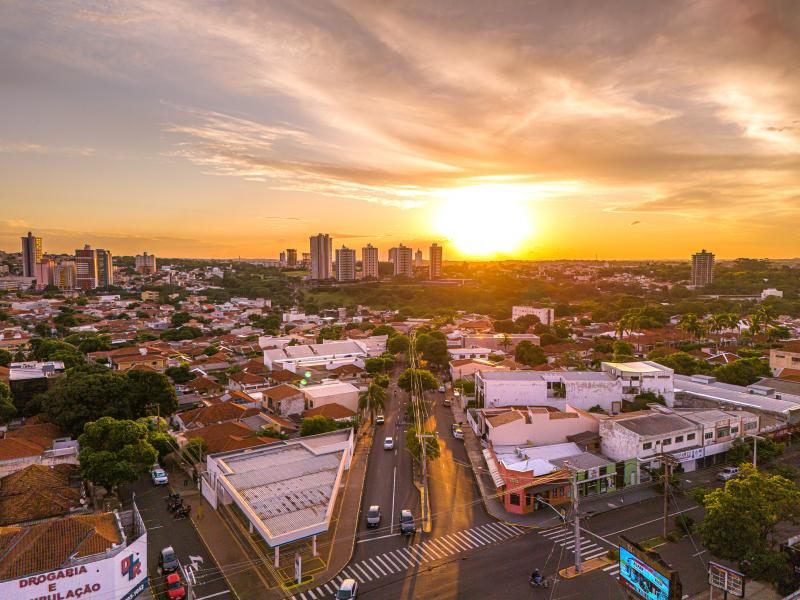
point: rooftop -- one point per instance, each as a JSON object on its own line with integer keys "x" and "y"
{"x": 788, "y": 405}
{"x": 655, "y": 424}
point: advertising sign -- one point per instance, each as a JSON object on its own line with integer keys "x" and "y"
{"x": 645, "y": 574}
{"x": 120, "y": 577}
{"x": 725, "y": 578}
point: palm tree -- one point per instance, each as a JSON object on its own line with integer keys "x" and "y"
{"x": 691, "y": 324}
{"x": 505, "y": 342}
{"x": 373, "y": 400}
{"x": 764, "y": 317}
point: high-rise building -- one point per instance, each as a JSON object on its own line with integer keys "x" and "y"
{"x": 282, "y": 258}
{"x": 86, "y": 263}
{"x": 435, "y": 261}
{"x": 291, "y": 257}
{"x": 44, "y": 271}
{"x": 345, "y": 264}
{"x": 65, "y": 276}
{"x": 105, "y": 268}
{"x": 31, "y": 254}
{"x": 145, "y": 263}
{"x": 418, "y": 259}
{"x": 321, "y": 256}
{"x": 702, "y": 268}
{"x": 369, "y": 262}
{"x": 401, "y": 257}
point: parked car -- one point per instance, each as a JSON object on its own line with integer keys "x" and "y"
{"x": 388, "y": 444}
{"x": 374, "y": 516}
{"x": 380, "y": 419}
{"x": 168, "y": 561}
{"x": 159, "y": 476}
{"x": 407, "y": 526}
{"x": 175, "y": 589}
{"x": 728, "y": 473}
{"x": 347, "y": 590}
{"x": 446, "y": 401}
{"x": 458, "y": 433}
{"x": 441, "y": 388}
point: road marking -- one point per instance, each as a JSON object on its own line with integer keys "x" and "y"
{"x": 411, "y": 557}
{"x": 394, "y": 480}
{"x": 213, "y": 595}
{"x": 380, "y": 537}
{"x": 377, "y": 565}
{"x": 484, "y": 536}
{"x": 595, "y": 554}
{"x": 310, "y": 593}
{"x": 491, "y": 533}
{"x": 431, "y": 548}
{"x": 610, "y": 567}
{"x": 386, "y": 565}
{"x": 328, "y": 588}
{"x": 450, "y": 547}
{"x": 367, "y": 566}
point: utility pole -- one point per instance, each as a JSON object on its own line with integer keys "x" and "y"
{"x": 576, "y": 515}
{"x": 755, "y": 448}
{"x": 667, "y": 461}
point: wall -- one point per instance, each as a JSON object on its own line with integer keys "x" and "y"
{"x": 543, "y": 429}
{"x": 586, "y": 394}
{"x": 782, "y": 359}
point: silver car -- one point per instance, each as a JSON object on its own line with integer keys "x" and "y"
{"x": 374, "y": 516}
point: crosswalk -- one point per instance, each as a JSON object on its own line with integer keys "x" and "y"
{"x": 565, "y": 537}
{"x": 409, "y": 557}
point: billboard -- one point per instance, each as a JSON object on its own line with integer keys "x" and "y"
{"x": 645, "y": 574}
{"x": 120, "y": 577}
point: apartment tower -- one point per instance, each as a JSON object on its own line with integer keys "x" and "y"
{"x": 435, "y": 261}
{"x": 291, "y": 257}
{"x": 44, "y": 271}
{"x": 31, "y": 254}
{"x": 369, "y": 262}
{"x": 145, "y": 264}
{"x": 402, "y": 259}
{"x": 345, "y": 264}
{"x": 702, "y": 268}
{"x": 86, "y": 263}
{"x": 105, "y": 268}
{"x": 321, "y": 256}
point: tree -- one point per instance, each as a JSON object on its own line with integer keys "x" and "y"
{"x": 180, "y": 375}
{"x": 50, "y": 349}
{"x": 685, "y": 364}
{"x": 7, "y": 408}
{"x": 148, "y": 389}
{"x": 89, "y": 342}
{"x": 505, "y": 342}
{"x": 373, "y": 400}
{"x": 467, "y": 386}
{"x": 744, "y": 371}
{"x": 423, "y": 377}
{"x": 194, "y": 450}
{"x": 385, "y": 330}
{"x": 114, "y": 452}
{"x": 691, "y": 324}
{"x": 436, "y": 353}
{"x": 742, "y": 451}
{"x": 5, "y": 358}
{"x": 317, "y": 424}
{"x": 414, "y": 446}
{"x": 741, "y": 521}
{"x": 527, "y": 353}
{"x": 397, "y": 344}
{"x": 623, "y": 351}
{"x": 182, "y": 333}
{"x": 180, "y": 318}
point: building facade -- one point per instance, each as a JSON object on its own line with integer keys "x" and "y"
{"x": 418, "y": 259}
{"x": 321, "y": 247}
{"x": 702, "y": 268}
{"x": 65, "y": 276}
{"x": 369, "y": 262}
{"x": 545, "y": 315}
{"x": 105, "y": 268}
{"x": 435, "y": 261}
{"x": 31, "y": 254}
{"x": 86, "y": 263}
{"x": 345, "y": 264}
{"x": 44, "y": 272}
{"x": 291, "y": 257}
{"x": 402, "y": 259}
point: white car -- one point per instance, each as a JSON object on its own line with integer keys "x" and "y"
{"x": 388, "y": 444}
{"x": 441, "y": 389}
{"x": 347, "y": 590}
{"x": 728, "y": 473}
{"x": 458, "y": 433}
{"x": 159, "y": 476}
{"x": 380, "y": 419}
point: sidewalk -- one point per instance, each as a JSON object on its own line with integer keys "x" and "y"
{"x": 539, "y": 518}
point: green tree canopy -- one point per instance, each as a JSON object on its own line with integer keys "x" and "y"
{"x": 89, "y": 341}
{"x": 317, "y": 424}
{"x": 180, "y": 375}
{"x": 7, "y": 408}
{"x": 384, "y": 330}
{"x": 426, "y": 379}
{"x": 114, "y": 452}
{"x": 744, "y": 371}
{"x": 527, "y": 353}
{"x": 180, "y": 318}
{"x": 373, "y": 400}
{"x": 50, "y": 349}
{"x": 397, "y": 343}
{"x": 5, "y": 358}
{"x": 181, "y": 333}
{"x": 432, "y": 450}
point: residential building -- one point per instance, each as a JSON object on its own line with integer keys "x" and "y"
{"x": 465, "y": 368}
{"x": 105, "y": 268}
{"x": 284, "y": 400}
{"x": 435, "y": 261}
{"x": 418, "y": 259}
{"x": 65, "y": 276}
{"x": 31, "y": 254}
{"x": 345, "y": 264}
{"x": 771, "y": 292}
{"x": 464, "y": 353}
{"x": 582, "y": 390}
{"x": 544, "y": 314}
{"x": 369, "y": 262}
{"x": 150, "y": 296}
{"x": 40, "y": 492}
{"x": 36, "y": 444}
{"x": 787, "y": 357}
{"x": 342, "y": 393}
{"x": 86, "y": 262}
{"x": 327, "y": 355}
{"x": 401, "y": 258}
{"x": 291, "y": 257}
{"x": 286, "y": 491}
{"x": 145, "y": 263}
{"x": 44, "y": 272}
{"x": 282, "y": 258}
{"x": 321, "y": 256}
{"x": 506, "y": 342}
{"x": 533, "y": 426}
{"x": 702, "y": 268}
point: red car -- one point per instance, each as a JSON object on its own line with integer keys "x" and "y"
{"x": 175, "y": 589}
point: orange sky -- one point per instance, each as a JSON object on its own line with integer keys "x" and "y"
{"x": 531, "y": 130}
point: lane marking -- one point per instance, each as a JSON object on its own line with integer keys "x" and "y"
{"x": 394, "y": 480}
{"x": 214, "y": 595}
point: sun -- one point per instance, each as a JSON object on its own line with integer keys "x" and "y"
{"x": 484, "y": 221}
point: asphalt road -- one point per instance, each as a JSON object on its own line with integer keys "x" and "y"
{"x": 164, "y": 530}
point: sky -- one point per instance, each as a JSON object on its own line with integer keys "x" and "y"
{"x": 532, "y": 130}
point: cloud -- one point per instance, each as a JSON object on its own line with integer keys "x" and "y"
{"x": 31, "y": 148}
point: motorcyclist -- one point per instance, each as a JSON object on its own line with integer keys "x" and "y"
{"x": 536, "y": 577}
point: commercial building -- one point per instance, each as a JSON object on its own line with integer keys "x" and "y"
{"x": 65, "y": 276}
{"x": 44, "y": 272}
{"x": 435, "y": 261}
{"x": 787, "y": 357}
{"x": 328, "y": 355}
{"x": 286, "y": 491}
{"x": 702, "y": 268}
{"x": 105, "y": 268}
{"x": 145, "y": 263}
{"x": 401, "y": 258}
{"x": 291, "y": 257}
{"x": 418, "y": 259}
{"x": 544, "y": 314}
{"x": 345, "y": 264}
{"x": 86, "y": 263}
{"x": 369, "y": 262}
{"x": 31, "y": 254}
{"x": 321, "y": 256}
{"x": 341, "y": 393}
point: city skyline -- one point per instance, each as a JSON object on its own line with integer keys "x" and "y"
{"x": 626, "y": 131}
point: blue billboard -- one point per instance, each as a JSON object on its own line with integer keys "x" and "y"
{"x": 641, "y": 578}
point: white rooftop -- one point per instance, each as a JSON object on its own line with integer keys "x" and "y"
{"x": 637, "y": 367}
{"x": 329, "y": 389}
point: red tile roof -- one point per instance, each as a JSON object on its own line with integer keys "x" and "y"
{"x": 332, "y": 411}
{"x": 223, "y": 437}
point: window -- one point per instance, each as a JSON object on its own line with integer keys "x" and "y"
{"x": 647, "y": 445}
{"x": 723, "y": 432}
{"x": 689, "y": 437}
{"x": 678, "y": 439}
{"x": 666, "y": 442}
{"x": 514, "y": 499}
{"x": 734, "y": 430}
{"x": 709, "y": 435}
{"x": 750, "y": 425}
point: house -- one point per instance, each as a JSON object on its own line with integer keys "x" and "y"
{"x": 40, "y": 492}
{"x": 203, "y": 386}
{"x": 284, "y": 400}
{"x": 247, "y": 382}
{"x": 334, "y": 411}
{"x": 19, "y": 371}
{"x": 328, "y": 354}
{"x": 544, "y": 314}
{"x": 465, "y": 353}
{"x": 36, "y": 443}
{"x": 341, "y": 393}
{"x": 533, "y": 426}
{"x": 125, "y": 362}
{"x": 787, "y": 357}
{"x": 227, "y": 436}
{"x": 465, "y": 368}
{"x": 218, "y": 412}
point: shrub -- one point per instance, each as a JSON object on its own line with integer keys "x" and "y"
{"x": 684, "y": 522}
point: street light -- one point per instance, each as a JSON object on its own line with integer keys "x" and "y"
{"x": 562, "y": 514}
{"x": 755, "y": 447}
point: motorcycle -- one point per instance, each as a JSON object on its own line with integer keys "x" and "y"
{"x": 183, "y": 512}
{"x": 175, "y": 506}
{"x": 173, "y": 497}
{"x": 542, "y": 583}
